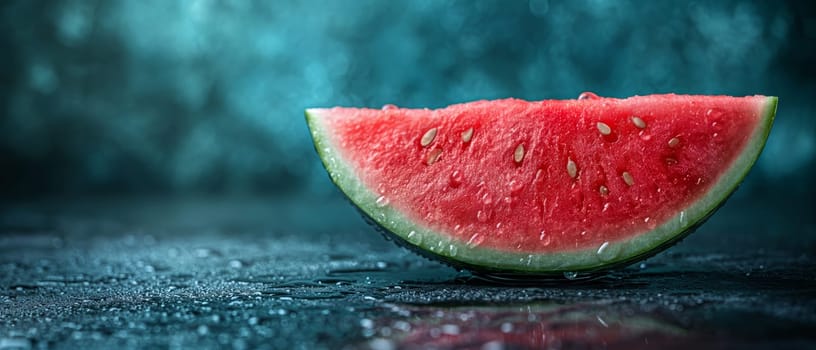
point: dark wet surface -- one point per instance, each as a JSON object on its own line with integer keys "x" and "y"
{"x": 264, "y": 273}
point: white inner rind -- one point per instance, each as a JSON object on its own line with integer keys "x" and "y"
{"x": 574, "y": 261}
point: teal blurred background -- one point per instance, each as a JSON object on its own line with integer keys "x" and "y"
{"x": 206, "y": 97}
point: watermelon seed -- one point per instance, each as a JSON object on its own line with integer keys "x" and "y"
{"x": 674, "y": 142}
{"x": 586, "y": 95}
{"x": 604, "y": 191}
{"x": 382, "y": 201}
{"x": 570, "y": 275}
{"x": 639, "y": 123}
{"x": 467, "y": 135}
{"x": 604, "y": 128}
{"x": 434, "y": 156}
{"x": 572, "y": 168}
{"x": 429, "y": 136}
{"x": 518, "y": 155}
{"x": 627, "y": 178}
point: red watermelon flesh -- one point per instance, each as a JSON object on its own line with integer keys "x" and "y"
{"x": 549, "y": 185}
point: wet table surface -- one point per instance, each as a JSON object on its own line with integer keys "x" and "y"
{"x": 305, "y": 274}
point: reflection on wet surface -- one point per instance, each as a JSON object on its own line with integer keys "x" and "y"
{"x": 136, "y": 276}
{"x": 534, "y": 325}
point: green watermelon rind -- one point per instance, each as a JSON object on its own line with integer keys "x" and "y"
{"x": 460, "y": 254}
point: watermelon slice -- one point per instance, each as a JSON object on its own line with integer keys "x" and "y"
{"x": 512, "y": 187}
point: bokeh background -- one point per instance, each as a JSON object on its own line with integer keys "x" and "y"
{"x": 196, "y": 97}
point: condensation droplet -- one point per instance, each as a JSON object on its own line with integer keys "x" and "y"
{"x": 481, "y": 215}
{"x": 570, "y": 275}
{"x": 487, "y": 199}
{"x": 544, "y": 238}
{"x": 475, "y": 240}
{"x": 607, "y": 252}
{"x": 414, "y": 238}
{"x": 452, "y": 250}
{"x": 389, "y": 106}
{"x": 586, "y": 95}
{"x": 382, "y": 201}
{"x": 455, "y": 179}
{"x": 516, "y": 186}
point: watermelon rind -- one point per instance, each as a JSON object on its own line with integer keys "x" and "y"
{"x": 490, "y": 261}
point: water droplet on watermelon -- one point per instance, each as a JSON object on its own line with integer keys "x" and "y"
{"x": 475, "y": 240}
{"x": 586, "y": 95}
{"x": 529, "y": 259}
{"x": 539, "y": 175}
{"x": 381, "y": 188}
{"x": 516, "y": 186}
{"x": 544, "y": 238}
{"x": 415, "y": 238}
{"x": 713, "y": 113}
{"x": 452, "y": 250}
{"x": 382, "y": 201}
{"x": 487, "y": 199}
{"x": 481, "y": 215}
{"x": 455, "y": 178}
{"x": 645, "y": 136}
{"x": 389, "y": 106}
{"x": 607, "y": 252}
{"x": 570, "y": 275}
{"x": 682, "y": 217}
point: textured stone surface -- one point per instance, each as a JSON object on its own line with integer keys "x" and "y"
{"x": 266, "y": 273}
